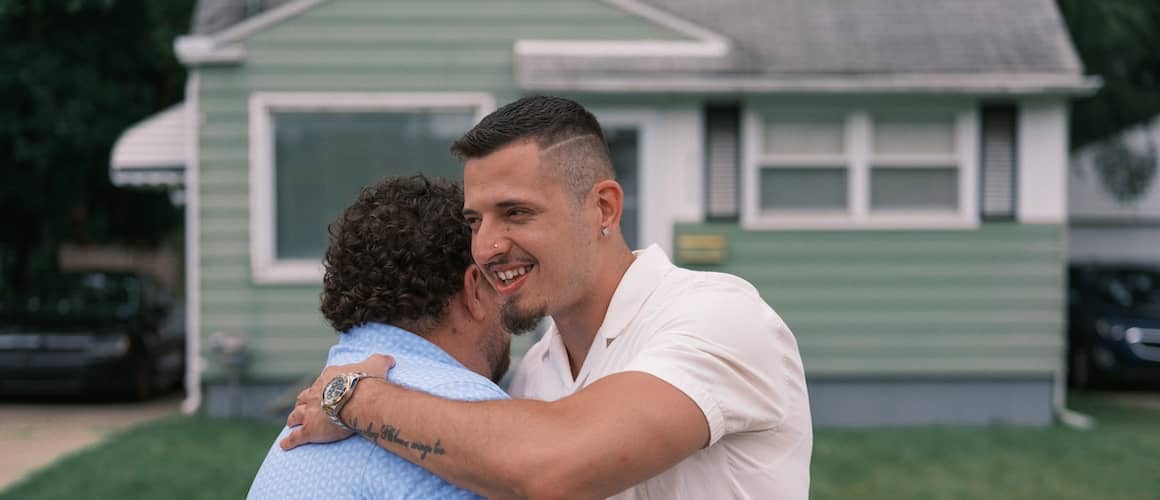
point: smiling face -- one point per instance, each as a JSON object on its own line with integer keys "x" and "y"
{"x": 530, "y": 235}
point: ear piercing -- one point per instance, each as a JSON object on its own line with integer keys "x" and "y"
{"x": 604, "y": 231}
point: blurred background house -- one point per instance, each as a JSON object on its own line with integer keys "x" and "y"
{"x": 1114, "y": 211}
{"x": 891, "y": 176}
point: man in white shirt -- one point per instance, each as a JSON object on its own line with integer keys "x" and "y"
{"x": 653, "y": 382}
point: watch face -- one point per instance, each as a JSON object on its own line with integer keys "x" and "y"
{"x": 334, "y": 389}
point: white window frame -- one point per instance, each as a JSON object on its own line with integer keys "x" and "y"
{"x": 645, "y": 122}
{"x": 265, "y": 267}
{"x": 859, "y": 159}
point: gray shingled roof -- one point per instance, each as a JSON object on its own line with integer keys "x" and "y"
{"x": 797, "y": 43}
{"x": 973, "y": 46}
{"x": 212, "y": 16}
{"x": 888, "y": 36}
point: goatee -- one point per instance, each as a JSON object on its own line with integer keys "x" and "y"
{"x": 520, "y": 322}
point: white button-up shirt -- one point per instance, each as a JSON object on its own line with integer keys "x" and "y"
{"x": 712, "y": 337}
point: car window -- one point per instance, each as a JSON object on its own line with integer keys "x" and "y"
{"x": 1129, "y": 288}
{"x": 83, "y": 295}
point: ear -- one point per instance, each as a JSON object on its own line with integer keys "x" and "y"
{"x": 473, "y": 282}
{"x": 610, "y": 201}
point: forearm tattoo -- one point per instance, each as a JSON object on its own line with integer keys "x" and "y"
{"x": 394, "y": 436}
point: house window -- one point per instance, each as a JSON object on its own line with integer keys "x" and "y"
{"x": 821, "y": 169}
{"x": 913, "y": 163}
{"x": 803, "y": 164}
{"x": 312, "y": 153}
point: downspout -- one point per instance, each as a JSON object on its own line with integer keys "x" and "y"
{"x": 192, "y": 244}
{"x": 1063, "y": 414}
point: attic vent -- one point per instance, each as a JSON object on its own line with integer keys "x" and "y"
{"x": 722, "y": 131}
{"x": 999, "y": 169}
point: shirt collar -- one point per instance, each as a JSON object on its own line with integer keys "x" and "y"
{"x": 379, "y": 337}
{"x": 637, "y": 285}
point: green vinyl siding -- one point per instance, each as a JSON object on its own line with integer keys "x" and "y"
{"x": 985, "y": 302}
{"x": 348, "y": 46}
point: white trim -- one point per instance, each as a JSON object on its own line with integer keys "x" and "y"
{"x": 192, "y": 245}
{"x": 253, "y": 25}
{"x": 194, "y": 50}
{"x": 669, "y": 169}
{"x": 989, "y": 84}
{"x": 1042, "y": 160}
{"x": 217, "y": 48}
{"x": 626, "y": 48}
{"x": 646, "y": 122}
{"x": 705, "y": 43}
{"x": 266, "y": 268}
{"x": 804, "y": 161}
{"x": 375, "y": 101}
{"x": 220, "y": 47}
{"x": 860, "y": 144}
{"x": 916, "y": 160}
{"x": 858, "y": 160}
{"x": 967, "y": 143}
{"x": 669, "y": 20}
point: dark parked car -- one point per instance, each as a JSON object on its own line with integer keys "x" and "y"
{"x": 91, "y": 333}
{"x": 1114, "y": 325}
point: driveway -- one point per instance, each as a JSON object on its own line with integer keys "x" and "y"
{"x": 33, "y": 435}
{"x": 1144, "y": 399}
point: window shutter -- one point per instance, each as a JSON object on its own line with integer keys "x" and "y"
{"x": 999, "y": 169}
{"x": 722, "y": 158}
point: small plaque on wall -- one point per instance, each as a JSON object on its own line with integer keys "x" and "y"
{"x": 704, "y": 249}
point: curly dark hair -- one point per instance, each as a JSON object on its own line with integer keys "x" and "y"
{"x": 397, "y": 255}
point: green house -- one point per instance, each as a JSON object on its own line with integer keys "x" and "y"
{"x": 890, "y": 174}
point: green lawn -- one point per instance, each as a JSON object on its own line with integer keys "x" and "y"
{"x": 175, "y": 458}
{"x": 199, "y": 458}
{"x": 1120, "y": 459}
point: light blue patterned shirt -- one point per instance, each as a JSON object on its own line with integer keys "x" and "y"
{"x": 355, "y": 467}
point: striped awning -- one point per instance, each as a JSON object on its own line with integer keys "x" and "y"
{"x": 152, "y": 152}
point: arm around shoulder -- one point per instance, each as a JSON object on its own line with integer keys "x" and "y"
{"x": 619, "y": 431}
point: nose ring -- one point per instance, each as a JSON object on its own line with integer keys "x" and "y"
{"x": 495, "y": 245}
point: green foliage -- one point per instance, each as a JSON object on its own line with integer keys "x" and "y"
{"x": 76, "y": 74}
{"x": 1117, "y": 40}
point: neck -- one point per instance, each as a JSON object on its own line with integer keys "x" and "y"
{"x": 579, "y": 324}
{"x": 461, "y": 346}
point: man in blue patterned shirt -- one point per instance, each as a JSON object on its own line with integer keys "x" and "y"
{"x": 399, "y": 280}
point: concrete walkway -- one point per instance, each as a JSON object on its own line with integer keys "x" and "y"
{"x": 1143, "y": 399}
{"x": 33, "y": 435}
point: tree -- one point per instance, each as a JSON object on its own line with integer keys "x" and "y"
{"x": 1117, "y": 40}
{"x": 73, "y": 75}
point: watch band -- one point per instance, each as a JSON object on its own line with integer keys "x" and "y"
{"x": 333, "y": 407}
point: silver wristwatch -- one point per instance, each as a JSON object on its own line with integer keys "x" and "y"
{"x": 336, "y": 394}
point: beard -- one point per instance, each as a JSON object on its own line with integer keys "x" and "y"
{"x": 497, "y": 350}
{"x": 520, "y": 321}
{"x": 500, "y": 366}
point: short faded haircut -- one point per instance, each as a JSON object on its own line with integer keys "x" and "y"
{"x": 569, "y": 137}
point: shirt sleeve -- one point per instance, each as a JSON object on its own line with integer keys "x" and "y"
{"x": 740, "y": 367}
